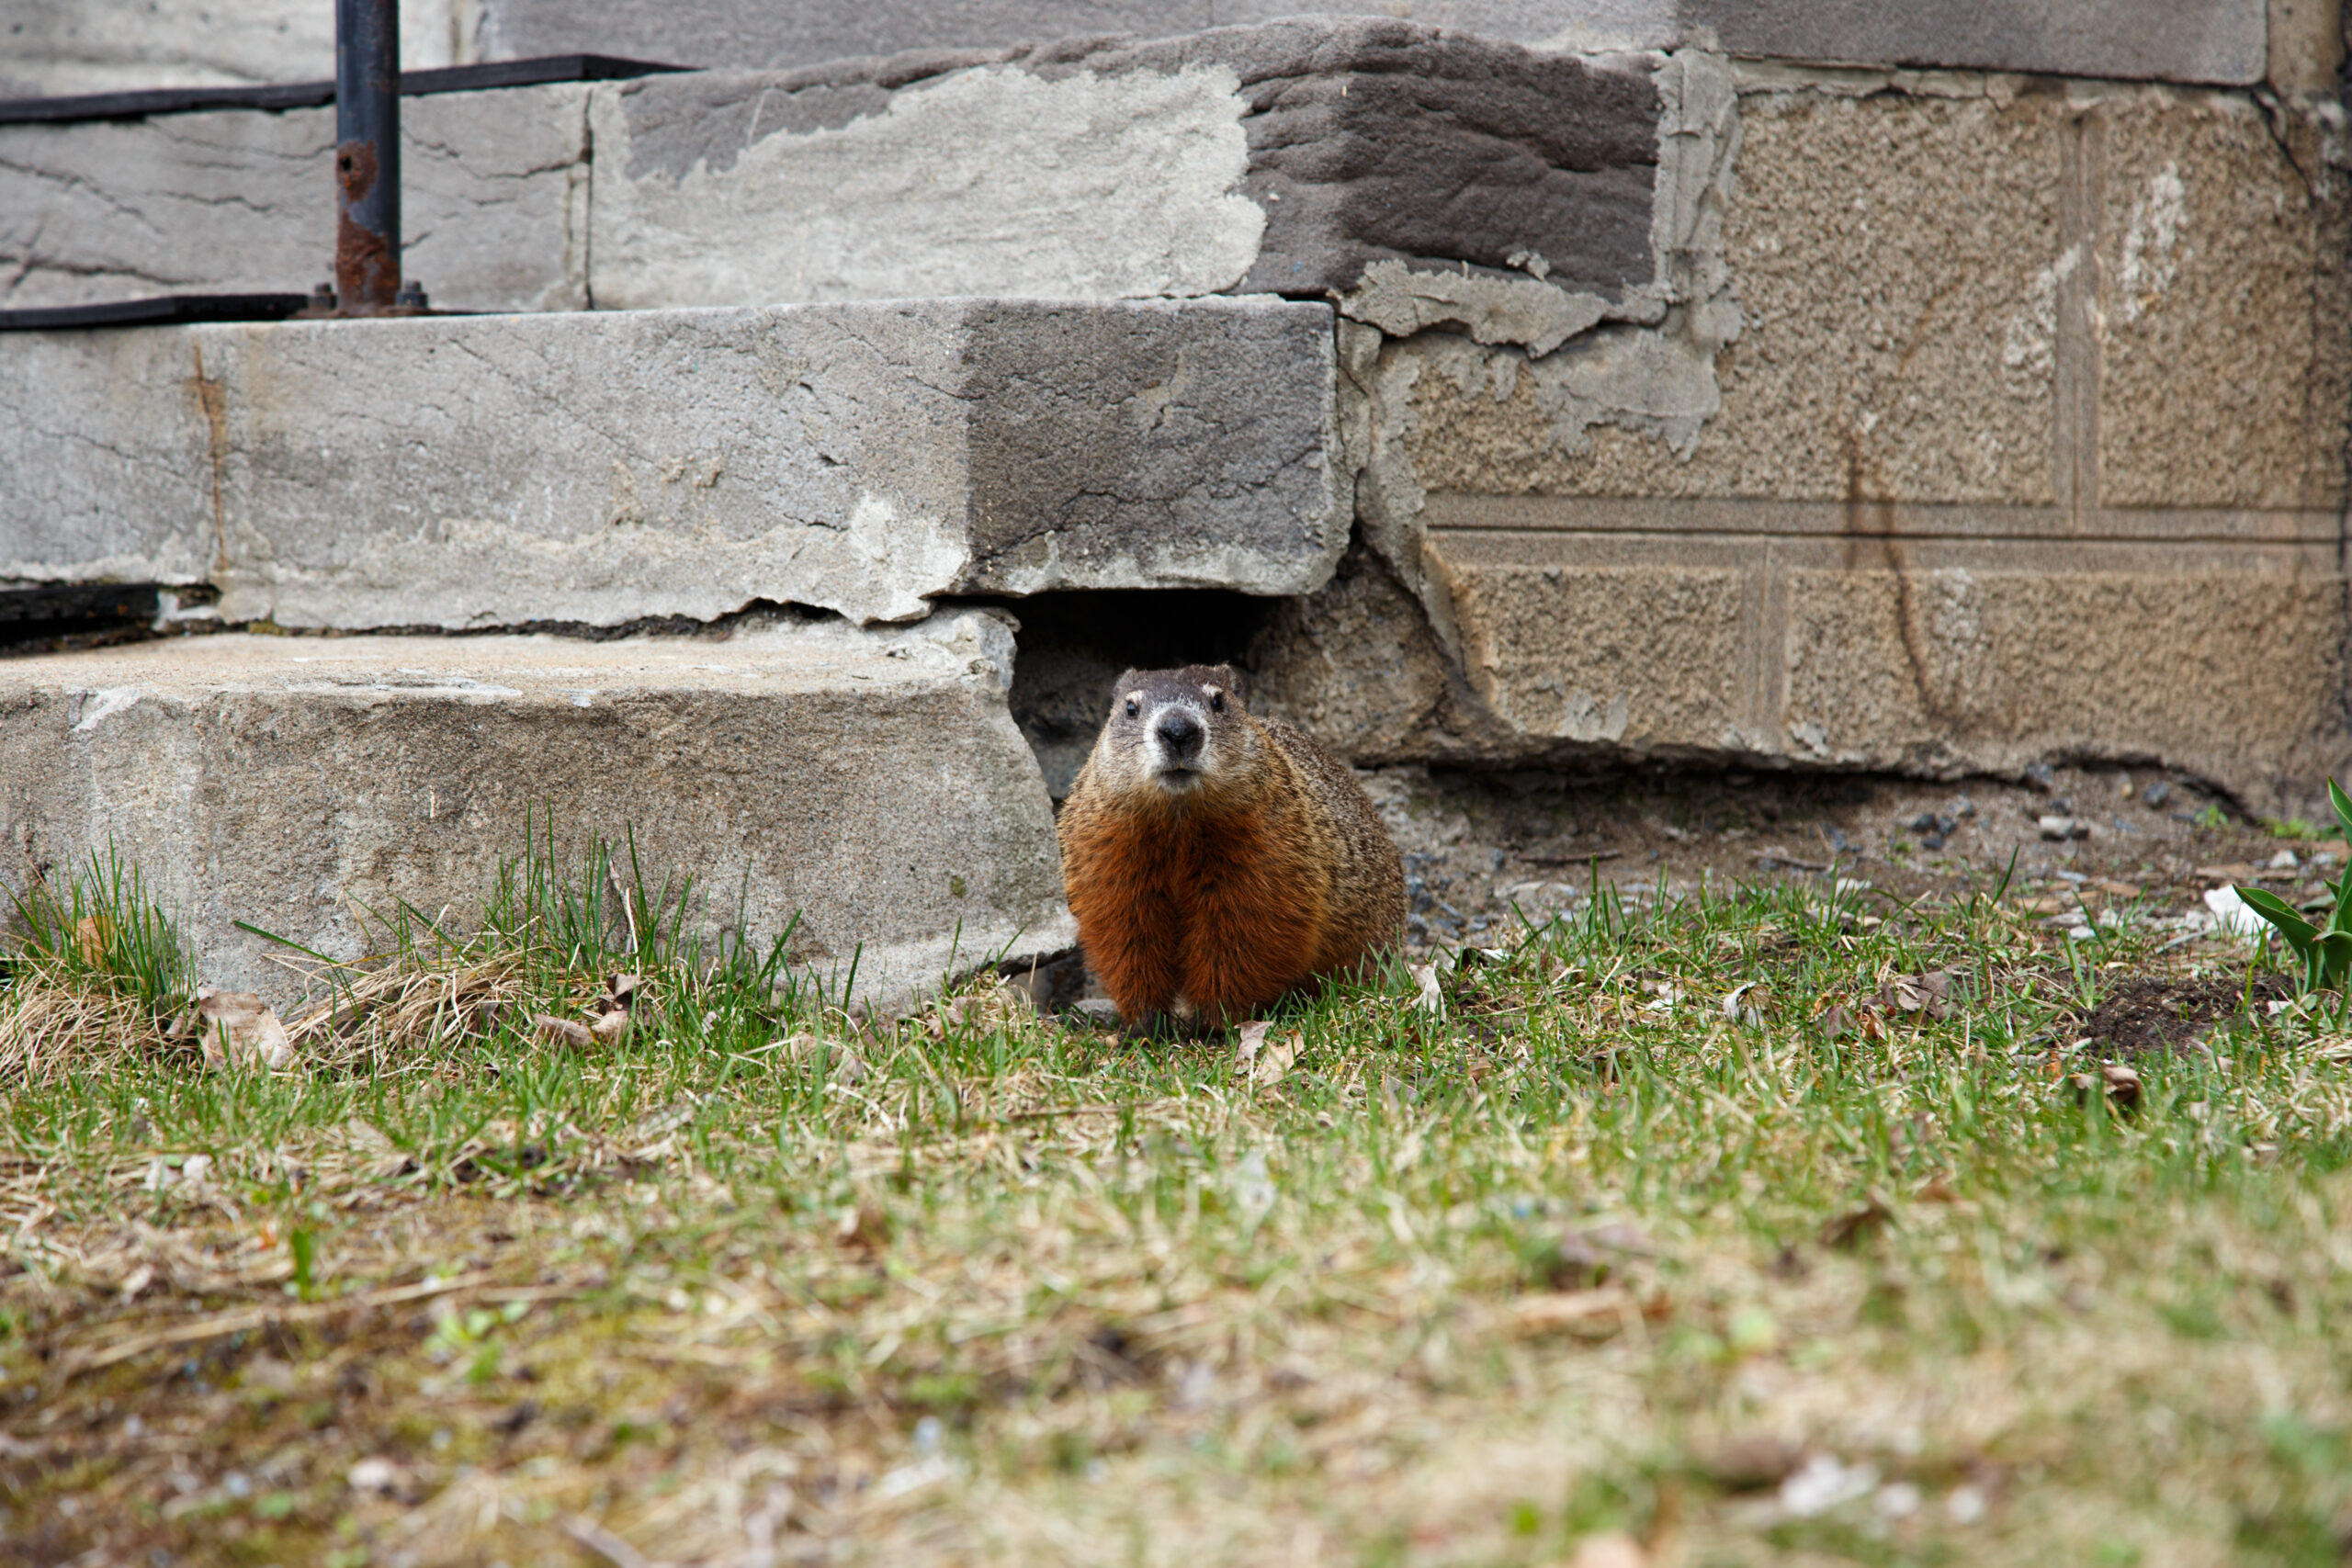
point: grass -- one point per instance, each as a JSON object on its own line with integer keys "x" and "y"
{"x": 1711, "y": 1228}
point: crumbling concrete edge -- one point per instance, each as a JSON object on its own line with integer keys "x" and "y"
{"x": 1644, "y": 364}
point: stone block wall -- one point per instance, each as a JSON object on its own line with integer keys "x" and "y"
{"x": 1990, "y": 421}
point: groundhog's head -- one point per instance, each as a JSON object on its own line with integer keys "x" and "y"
{"x": 1177, "y": 733}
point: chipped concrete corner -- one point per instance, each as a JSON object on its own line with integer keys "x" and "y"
{"x": 1736, "y": 515}
{"x": 1644, "y": 361}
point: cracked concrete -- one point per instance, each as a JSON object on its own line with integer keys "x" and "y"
{"x": 1986, "y": 423}
{"x": 2181, "y": 41}
{"x": 127, "y": 46}
{"x": 603, "y": 468}
{"x": 870, "y": 783}
{"x": 495, "y": 196}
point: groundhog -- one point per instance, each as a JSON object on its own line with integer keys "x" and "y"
{"x": 1216, "y": 860}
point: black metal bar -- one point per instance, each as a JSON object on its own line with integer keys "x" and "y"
{"x": 157, "y": 310}
{"x": 367, "y": 156}
{"x": 277, "y": 97}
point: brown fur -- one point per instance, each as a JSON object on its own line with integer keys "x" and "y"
{"x": 1270, "y": 869}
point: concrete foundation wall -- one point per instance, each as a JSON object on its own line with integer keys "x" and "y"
{"x": 1696, "y": 406}
{"x": 1991, "y": 423}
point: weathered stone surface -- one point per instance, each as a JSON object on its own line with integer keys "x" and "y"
{"x": 989, "y": 181}
{"x": 2181, "y": 41}
{"x": 121, "y": 46}
{"x": 605, "y": 468}
{"x": 494, "y": 188}
{"x": 2061, "y": 377}
{"x": 871, "y": 783}
{"x": 1284, "y": 158}
{"x": 2220, "y": 269}
{"x": 1922, "y": 640}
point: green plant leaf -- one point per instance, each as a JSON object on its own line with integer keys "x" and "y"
{"x": 2298, "y": 931}
{"x": 2343, "y": 804}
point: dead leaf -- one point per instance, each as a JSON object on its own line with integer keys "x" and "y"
{"x": 865, "y": 1228}
{"x": 92, "y": 936}
{"x": 1738, "y": 1009}
{"x": 1431, "y": 999}
{"x": 1929, "y": 993}
{"x": 236, "y": 1028}
{"x": 552, "y": 1030}
{"x": 1274, "y": 1055}
{"x": 613, "y": 1027}
{"x": 376, "y": 1154}
{"x": 998, "y": 1004}
{"x": 1848, "y": 1229}
{"x": 1751, "y": 1463}
{"x": 2120, "y": 1083}
{"x": 622, "y": 989}
{"x": 1594, "y": 1314}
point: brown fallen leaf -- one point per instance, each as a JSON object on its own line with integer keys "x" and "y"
{"x": 1752, "y": 1462}
{"x": 622, "y": 989}
{"x": 1848, "y": 1229}
{"x": 998, "y": 1004}
{"x": 236, "y": 1028}
{"x": 1594, "y": 1314}
{"x": 376, "y": 1154}
{"x": 2120, "y": 1082}
{"x": 552, "y": 1030}
{"x": 1266, "y": 1057}
{"x": 1929, "y": 993}
{"x": 92, "y": 935}
{"x": 613, "y": 1027}
{"x": 865, "y": 1228}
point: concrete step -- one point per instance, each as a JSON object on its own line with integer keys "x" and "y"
{"x": 871, "y": 783}
{"x": 1287, "y": 158}
{"x": 602, "y": 468}
{"x": 2181, "y": 41}
{"x": 76, "y": 46}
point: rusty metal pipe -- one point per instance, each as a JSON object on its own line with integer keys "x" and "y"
{"x": 367, "y": 156}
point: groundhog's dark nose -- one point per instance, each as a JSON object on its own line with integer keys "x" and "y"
{"x": 1180, "y": 733}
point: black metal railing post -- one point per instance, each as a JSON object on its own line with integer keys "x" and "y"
{"x": 367, "y": 156}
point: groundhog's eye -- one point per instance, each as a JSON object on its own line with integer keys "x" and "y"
{"x": 1216, "y": 702}
{"x": 1133, "y": 709}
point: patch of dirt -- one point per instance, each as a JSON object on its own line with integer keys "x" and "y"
{"x": 2151, "y": 1015}
{"x": 1484, "y": 850}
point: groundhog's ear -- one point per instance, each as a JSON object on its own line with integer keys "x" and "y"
{"x": 1128, "y": 680}
{"x": 1235, "y": 680}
